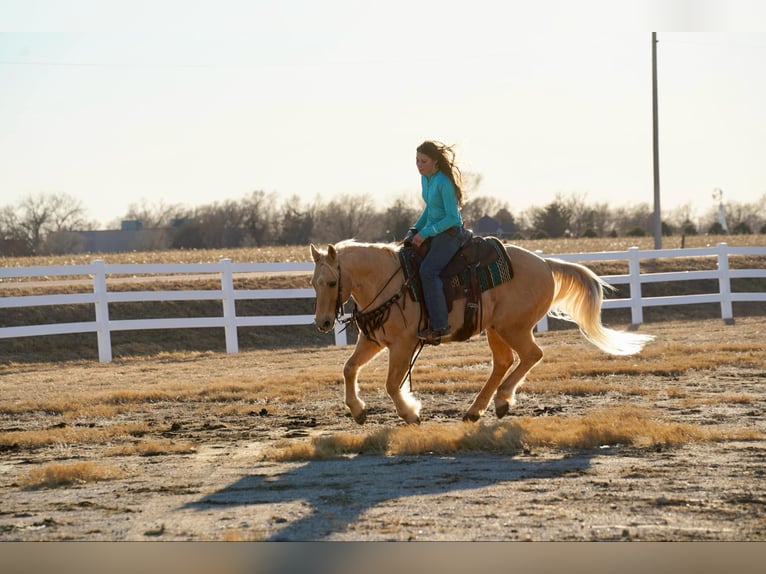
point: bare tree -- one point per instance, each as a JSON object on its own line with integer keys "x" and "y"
{"x": 37, "y": 216}
{"x": 348, "y": 216}
{"x": 630, "y": 218}
{"x": 581, "y": 215}
{"x": 471, "y": 182}
{"x": 398, "y": 218}
{"x": 679, "y": 218}
{"x": 158, "y": 214}
{"x": 12, "y": 240}
{"x": 479, "y": 206}
{"x": 221, "y": 225}
{"x": 297, "y": 222}
{"x": 602, "y": 219}
{"x": 260, "y": 218}
{"x": 744, "y": 216}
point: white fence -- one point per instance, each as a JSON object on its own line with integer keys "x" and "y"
{"x": 100, "y": 272}
{"x": 636, "y": 302}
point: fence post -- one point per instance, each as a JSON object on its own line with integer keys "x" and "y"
{"x": 103, "y": 335}
{"x": 229, "y": 309}
{"x": 340, "y": 334}
{"x": 634, "y": 271}
{"x": 542, "y": 324}
{"x": 724, "y": 284}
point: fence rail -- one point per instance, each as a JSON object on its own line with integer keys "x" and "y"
{"x": 634, "y": 279}
{"x": 99, "y": 273}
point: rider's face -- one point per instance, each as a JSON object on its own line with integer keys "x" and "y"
{"x": 426, "y": 165}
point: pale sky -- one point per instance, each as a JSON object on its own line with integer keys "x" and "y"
{"x": 185, "y": 102}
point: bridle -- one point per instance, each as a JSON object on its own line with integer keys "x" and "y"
{"x": 338, "y": 311}
{"x": 339, "y": 297}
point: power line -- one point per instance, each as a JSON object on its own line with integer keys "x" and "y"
{"x": 119, "y": 65}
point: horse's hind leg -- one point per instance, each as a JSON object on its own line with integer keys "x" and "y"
{"x": 364, "y": 352}
{"x": 523, "y": 342}
{"x": 502, "y": 359}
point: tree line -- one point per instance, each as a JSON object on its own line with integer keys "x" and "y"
{"x": 50, "y": 223}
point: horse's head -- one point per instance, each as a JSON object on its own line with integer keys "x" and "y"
{"x": 326, "y": 284}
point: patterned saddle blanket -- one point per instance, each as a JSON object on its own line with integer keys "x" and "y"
{"x": 481, "y": 264}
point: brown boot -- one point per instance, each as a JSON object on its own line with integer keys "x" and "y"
{"x": 433, "y": 336}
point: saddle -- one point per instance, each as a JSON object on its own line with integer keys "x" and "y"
{"x": 480, "y": 264}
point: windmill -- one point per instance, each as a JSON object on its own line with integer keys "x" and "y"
{"x": 718, "y": 196}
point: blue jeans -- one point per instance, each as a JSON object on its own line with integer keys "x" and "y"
{"x": 443, "y": 248}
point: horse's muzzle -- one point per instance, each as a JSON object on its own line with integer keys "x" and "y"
{"x": 324, "y": 325}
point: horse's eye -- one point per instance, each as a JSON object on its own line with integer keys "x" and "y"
{"x": 332, "y": 283}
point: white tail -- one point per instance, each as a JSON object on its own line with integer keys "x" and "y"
{"x": 578, "y": 297}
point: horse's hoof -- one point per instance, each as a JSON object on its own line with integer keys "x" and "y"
{"x": 470, "y": 418}
{"x": 361, "y": 418}
{"x": 502, "y": 410}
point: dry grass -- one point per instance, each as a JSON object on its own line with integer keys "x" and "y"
{"x": 57, "y": 474}
{"x": 154, "y": 447}
{"x": 85, "y": 404}
{"x": 582, "y": 388}
{"x": 614, "y": 426}
{"x": 290, "y": 253}
{"x": 129, "y": 407}
{"x": 569, "y": 367}
{"x": 723, "y": 399}
{"x": 62, "y": 434}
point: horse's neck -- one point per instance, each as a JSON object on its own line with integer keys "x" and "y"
{"x": 369, "y": 268}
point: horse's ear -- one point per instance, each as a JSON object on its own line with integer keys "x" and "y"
{"x": 315, "y": 253}
{"x": 331, "y": 253}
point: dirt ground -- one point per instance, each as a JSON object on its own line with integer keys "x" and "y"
{"x": 224, "y": 490}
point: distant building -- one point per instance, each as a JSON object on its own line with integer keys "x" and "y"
{"x": 130, "y": 237}
{"x": 487, "y": 226}
{"x": 119, "y": 240}
{"x": 131, "y": 225}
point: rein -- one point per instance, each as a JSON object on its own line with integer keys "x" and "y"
{"x": 368, "y": 321}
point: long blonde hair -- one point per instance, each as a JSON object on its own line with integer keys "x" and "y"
{"x": 444, "y": 156}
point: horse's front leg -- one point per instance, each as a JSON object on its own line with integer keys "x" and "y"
{"x": 407, "y": 406}
{"x": 364, "y": 352}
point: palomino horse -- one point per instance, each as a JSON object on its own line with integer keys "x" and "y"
{"x": 371, "y": 275}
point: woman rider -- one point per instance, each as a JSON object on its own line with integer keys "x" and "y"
{"x": 442, "y": 223}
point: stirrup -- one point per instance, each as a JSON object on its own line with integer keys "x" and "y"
{"x": 433, "y": 336}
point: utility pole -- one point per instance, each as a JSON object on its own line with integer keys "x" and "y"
{"x": 655, "y": 132}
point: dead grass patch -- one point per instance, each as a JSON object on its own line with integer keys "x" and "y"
{"x": 86, "y": 404}
{"x": 614, "y": 426}
{"x": 446, "y": 387}
{"x": 240, "y": 535}
{"x": 657, "y": 359}
{"x": 582, "y": 388}
{"x": 69, "y": 435}
{"x": 631, "y": 426}
{"x": 725, "y": 399}
{"x": 56, "y": 474}
{"x": 153, "y": 447}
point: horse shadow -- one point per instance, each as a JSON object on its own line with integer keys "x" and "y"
{"x": 338, "y": 491}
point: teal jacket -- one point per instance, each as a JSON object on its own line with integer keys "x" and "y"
{"x": 441, "y": 211}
